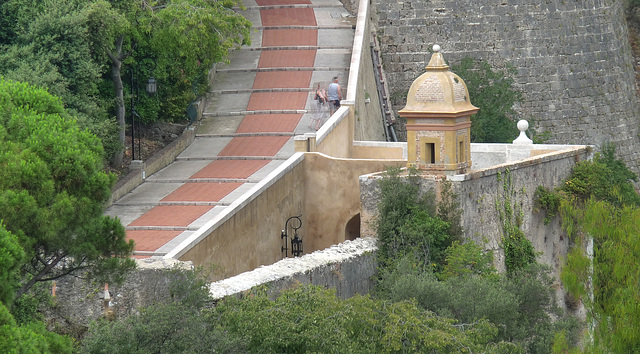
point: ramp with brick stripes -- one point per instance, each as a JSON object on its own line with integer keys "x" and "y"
{"x": 258, "y": 103}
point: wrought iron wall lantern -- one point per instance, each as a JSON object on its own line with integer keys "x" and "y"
{"x": 296, "y": 241}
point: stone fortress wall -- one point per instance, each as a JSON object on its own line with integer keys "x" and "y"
{"x": 573, "y": 59}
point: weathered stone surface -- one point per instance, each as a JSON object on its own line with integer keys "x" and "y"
{"x": 483, "y": 192}
{"x": 78, "y": 302}
{"x": 348, "y": 267}
{"x": 573, "y": 59}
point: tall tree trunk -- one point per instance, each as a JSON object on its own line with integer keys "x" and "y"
{"x": 116, "y": 67}
{"x": 116, "y": 71}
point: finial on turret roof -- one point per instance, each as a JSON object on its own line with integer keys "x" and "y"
{"x": 437, "y": 60}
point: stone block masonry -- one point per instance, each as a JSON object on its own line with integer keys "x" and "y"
{"x": 481, "y": 195}
{"x": 573, "y": 59}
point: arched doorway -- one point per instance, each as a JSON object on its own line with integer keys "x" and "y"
{"x": 352, "y": 230}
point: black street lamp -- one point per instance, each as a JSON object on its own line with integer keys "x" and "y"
{"x": 296, "y": 241}
{"x": 151, "y": 88}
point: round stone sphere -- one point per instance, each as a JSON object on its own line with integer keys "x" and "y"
{"x": 523, "y": 125}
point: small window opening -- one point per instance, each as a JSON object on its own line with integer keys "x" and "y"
{"x": 430, "y": 153}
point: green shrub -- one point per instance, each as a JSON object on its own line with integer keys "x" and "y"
{"x": 492, "y": 91}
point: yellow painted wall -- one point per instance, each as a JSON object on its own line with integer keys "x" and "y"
{"x": 325, "y": 190}
{"x": 333, "y": 195}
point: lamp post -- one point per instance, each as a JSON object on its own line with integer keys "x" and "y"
{"x": 296, "y": 241}
{"x": 151, "y": 88}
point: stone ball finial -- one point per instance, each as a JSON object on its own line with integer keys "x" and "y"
{"x": 523, "y": 125}
{"x": 436, "y": 48}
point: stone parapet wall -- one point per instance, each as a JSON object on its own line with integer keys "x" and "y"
{"x": 348, "y": 267}
{"x": 78, "y": 302}
{"x": 481, "y": 193}
{"x": 573, "y": 59}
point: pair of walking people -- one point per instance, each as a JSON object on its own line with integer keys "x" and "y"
{"x": 331, "y": 97}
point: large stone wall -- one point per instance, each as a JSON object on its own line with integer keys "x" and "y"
{"x": 482, "y": 191}
{"x": 573, "y": 59}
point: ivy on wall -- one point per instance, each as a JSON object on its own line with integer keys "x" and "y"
{"x": 518, "y": 250}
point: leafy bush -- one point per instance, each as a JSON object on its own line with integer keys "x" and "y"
{"x": 492, "y": 91}
{"x": 408, "y": 223}
{"x": 518, "y": 250}
{"x": 547, "y": 200}
{"x": 518, "y": 305}
{"x": 468, "y": 259}
{"x": 310, "y": 319}
{"x": 606, "y": 178}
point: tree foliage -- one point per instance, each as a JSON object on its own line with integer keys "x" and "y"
{"x": 53, "y": 189}
{"x": 519, "y": 306}
{"x": 86, "y": 52}
{"x": 468, "y": 259}
{"x": 29, "y": 338}
{"x": 600, "y": 211}
{"x": 492, "y": 91}
{"x": 607, "y": 284}
{"x": 11, "y": 258}
{"x": 52, "y": 48}
{"x": 410, "y": 224}
{"x": 311, "y": 319}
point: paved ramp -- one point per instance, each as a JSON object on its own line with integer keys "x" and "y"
{"x": 258, "y": 103}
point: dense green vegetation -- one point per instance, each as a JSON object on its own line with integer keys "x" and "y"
{"x": 301, "y": 320}
{"x": 434, "y": 294}
{"x": 460, "y": 282}
{"x": 492, "y": 91}
{"x": 51, "y": 203}
{"x": 599, "y": 206}
{"x": 84, "y": 51}
{"x": 518, "y": 250}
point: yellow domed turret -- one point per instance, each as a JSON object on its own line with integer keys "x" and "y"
{"x": 438, "y": 114}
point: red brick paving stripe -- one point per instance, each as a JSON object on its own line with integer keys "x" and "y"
{"x": 254, "y": 146}
{"x": 269, "y": 123}
{"x": 287, "y": 58}
{"x": 230, "y": 169}
{"x": 288, "y": 37}
{"x": 281, "y": 2}
{"x": 287, "y": 17}
{"x": 282, "y": 79}
{"x": 277, "y": 100}
{"x": 171, "y": 215}
{"x": 150, "y": 240}
{"x": 202, "y": 192}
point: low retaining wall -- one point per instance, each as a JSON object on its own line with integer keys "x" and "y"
{"x": 158, "y": 161}
{"x": 348, "y": 267}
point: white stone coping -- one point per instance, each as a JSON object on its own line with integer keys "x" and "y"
{"x": 289, "y": 267}
{"x": 503, "y": 147}
{"x": 358, "y": 46}
{"x": 236, "y": 206}
{"x": 559, "y": 152}
{"x": 384, "y": 144}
